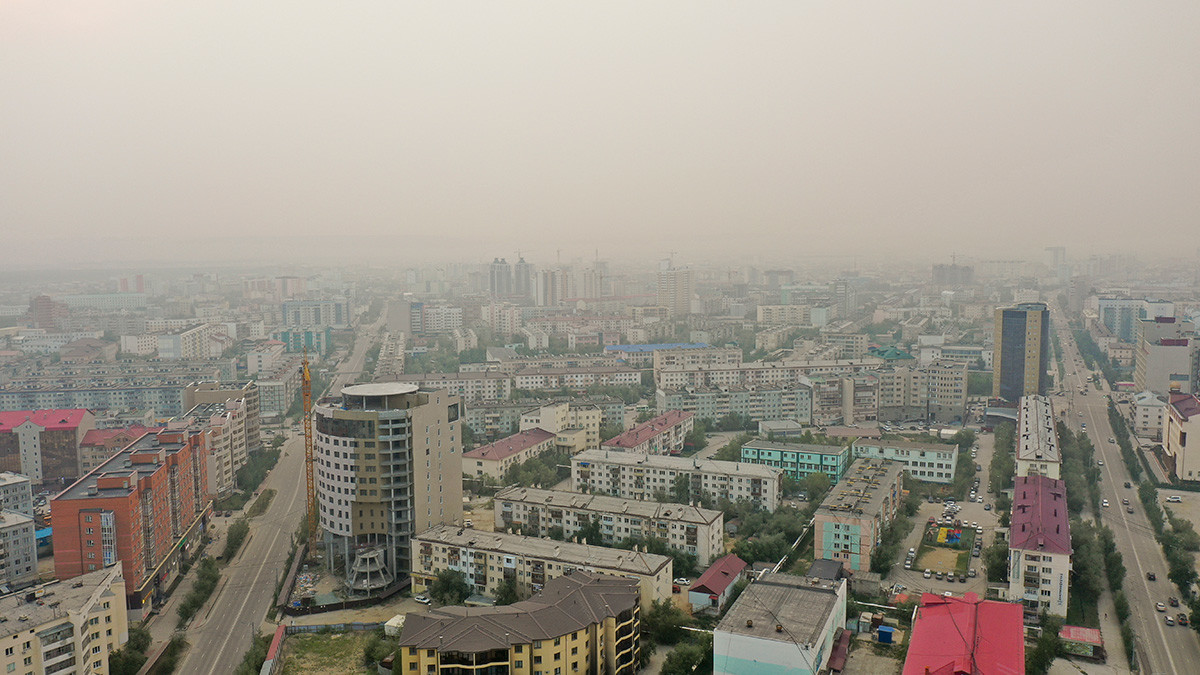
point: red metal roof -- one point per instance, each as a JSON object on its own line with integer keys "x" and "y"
{"x": 647, "y": 430}
{"x": 510, "y": 445}
{"x": 966, "y": 636}
{"x": 719, "y": 576}
{"x": 1039, "y": 516}
{"x": 102, "y": 436}
{"x": 1185, "y": 405}
{"x": 1081, "y": 634}
{"x": 53, "y": 420}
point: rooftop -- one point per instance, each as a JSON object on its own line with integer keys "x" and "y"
{"x": 719, "y": 576}
{"x": 99, "y": 437}
{"x": 863, "y": 489}
{"x": 712, "y": 466}
{"x": 955, "y": 635}
{"x": 510, "y": 445}
{"x": 633, "y": 562}
{"x": 811, "y": 448}
{"x": 605, "y": 504}
{"x": 801, "y": 605}
{"x": 51, "y": 420}
{"x": 1039, "y": 516}
{"x": 1185, "y": 405}
{"x": 648, "y": 429}
{"x": 567, "y": 603}
{"x": 150, "y": 450}
{"x": 379, "y": 389}
{"x": 55, "y": 600}
{"x": 1037, "y": 439}
{"x": 905, "y": 445}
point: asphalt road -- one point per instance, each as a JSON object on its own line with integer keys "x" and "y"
{"x": 221, "y": 634}
{"x": 1161, "y": 648}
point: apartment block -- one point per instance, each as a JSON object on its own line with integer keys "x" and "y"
{"x": 850, "y": 345}
{"x": 577, "y": 378}
{"x": 680, "y": 356}
{"x": 630, "y": 476}
{"x": 578, "y": 623}
{"x": 568, "y": 421}
{"x": 758, "y": 373}
{"x": 1181, "y": 419}
{"x": 536, "y": 512}
{"x": 487, "y": 559}
{"x": 759, "y": 403}
{"x": 1164, "y": 360}
{"x": 495, "y": 459}
{"x": 313, "y": 339}
{"x": 798, "y": 460}
{"x": 930, "y": 462}
{"x": 468, "y": 386}
{"x": 334, "y": 313}
{"x": 1147, "y": 420}
{"x": 16, "y": 493}
{"x": 388, "y": 462}
{"x": 201, "y": 393}
{"x": 225, "y": 426}
{"x": 18, "y": 550}
{"x": 1039, "y": 548}
{"x": 662, "y": 435}
{"x": 264, "y": 357}
{"x": 490, "y": 420}
{"x": 774, "y": 315}
{"x": 1022, "y": 354}
{"x": 850, "y": 521}
{"x": 935, "y": 393}
{"x": 1038, "y": 453}
{"x": 68, "y": 627}
{"x": 191, "y": 343}
{"x": 44, "y": 444}
{"x": 144, "y": 508}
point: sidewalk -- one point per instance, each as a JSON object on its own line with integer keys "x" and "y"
{"x": 1111, "y": 631}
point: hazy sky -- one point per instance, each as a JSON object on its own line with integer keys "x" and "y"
{"x": 441, "y": 129}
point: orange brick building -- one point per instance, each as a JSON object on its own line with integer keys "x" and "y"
{"x": 145, "y": 507}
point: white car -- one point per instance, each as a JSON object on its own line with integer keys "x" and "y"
{"x": 423, "y": 599}
{"x": 1104, "y": 503}
{"x": 683, "y": 581}
{"x": 927, "y": 574}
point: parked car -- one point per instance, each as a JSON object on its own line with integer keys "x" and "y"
{"x": 1173, "y": 601}
{"x": 1128, "y": 484}
{"x": 972, "y": 573}
{"x": 1104, "y": 503}
{"x": 987, "y": 507}
{"x": 927, "y": 574}
{"x": 941, "y": 576}
{"x": 1151, "y": 576}
{"x": 1169, "y": 620}
{"x": 1161, "y": 607}
{"x": 1128, "y": 509}
{"x": 423, "y": 599}
{"x": 1174, "y": 499}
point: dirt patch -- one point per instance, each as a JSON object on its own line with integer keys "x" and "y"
{"x": 938, "y": 560}
{"x": 325, "y": 653}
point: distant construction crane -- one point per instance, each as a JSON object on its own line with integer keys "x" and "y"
{"x": 310, "y": 495}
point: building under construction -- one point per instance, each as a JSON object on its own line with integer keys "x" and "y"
{"x": 387, "y": 463}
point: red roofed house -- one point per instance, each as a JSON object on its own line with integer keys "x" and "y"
{"x": 1181, "y": 419}
{"x": 44, "y": 444}
{"x": 496, "y": 458}
{"x": 1039, "y": 548}
{"x": 662, "y": 435}
{"x": 712, "y": 588}
{"x": 966, "y": 636}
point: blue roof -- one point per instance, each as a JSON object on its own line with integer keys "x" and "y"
{"x": 44, "y": 532}
{"x": 651, "y": 348}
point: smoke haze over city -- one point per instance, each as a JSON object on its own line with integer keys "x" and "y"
{"x": 308, "y": 131}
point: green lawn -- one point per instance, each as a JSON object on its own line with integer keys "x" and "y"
{"x": 332, "y": 653}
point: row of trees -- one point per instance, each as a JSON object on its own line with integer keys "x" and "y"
{"x": 1080, "y": 473}
{"x": 1122, "y": 436}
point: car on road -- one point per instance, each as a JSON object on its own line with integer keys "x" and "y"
{"x": 1173, "y": 601}
{"x": 1128, "y": 484}
{"x": 1125, "y": 501}
{"x": 1174, "y": 499}
{"x": 987, "y": 507}
{"x": 1104, "y": 503}
{"x": 1161, "y": 607}
{"x": 1128, "y": 509}
{"x": 1151, "y": 576}
{"x": 927, "y": 574}
{"x": 908, "y": 564}
{"x": 1099, "y": 462}
{"x": 423, "y": 599}
{"x": 972, "y": 573}
{"x": 1182, "y": 619}
{"x": 979, "y": 467}
{"x": 1169, "y": 620}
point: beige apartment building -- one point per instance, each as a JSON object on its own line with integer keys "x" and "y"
{"x": 487, "y": 559}
{"x": 645, "y": 477}
{"x": 495, "y": 459}
{"x": 686, "y": 528}
{"x": 564, "y": 419}
{"x": 851, "y": 519}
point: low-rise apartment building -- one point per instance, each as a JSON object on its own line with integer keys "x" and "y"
{"x": 44, "y": 444}
{"x": 661, "y": 435}
{"x": 646, "y": 477}
{"x": 798, "y": 460}
{"x": 144, "y": 508}
{"x": 930, "y": 462}
{"x": 16, "y": 493}
{"x": 469, "y": 386}
{"x": 1037, "y": 440}
{"x": 792, "y": 402}
{"x": 18, "y": 550}
{"x": 579, "y": 623}
{"x": 851, "y": 519}
{"x": 495, "y": 459}
{"x": 686, "y": 528}
{"x": 936, "y": 392}
{"x": 1181, "y": 419}
{"x": 487, "y": 559}
{"x": 1147, "y": 414}
{"x": 561, "y": 418}
{"x": 75, "y": 631}
{"x": 1039, "y": 547}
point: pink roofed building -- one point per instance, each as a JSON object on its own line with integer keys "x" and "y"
{"x": 494, "y": 459}
{"x": 663, "y": 435}
{"x": 44, "y": 444}
{"x": 1181, "y": 419}
{"x": 1039, "y": 548}
{"x": 966, "y": 636}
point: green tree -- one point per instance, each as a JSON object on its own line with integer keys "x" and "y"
{"x": 816, "y": 485}
{"x": 506, "y": 592}
{"x": 690, "y": 658}
{"x": 450, "y": 588}
{"x": 995, "y": 561}
{"x": 681, "y": 489}
{"x": 664, "y": 622}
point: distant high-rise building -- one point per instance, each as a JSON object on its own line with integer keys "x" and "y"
{"x": 47, "y": 313}
{"x": 675, "y": 289}
{"x": 500, "y": 278}
{"x": 1022, "y": 354}
{"x": 551, "y": 287}
{"x": 953, "y": 275}
{"x": 522, "y": 285}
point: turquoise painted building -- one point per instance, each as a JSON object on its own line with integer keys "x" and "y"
{"x": 798, "y": 460}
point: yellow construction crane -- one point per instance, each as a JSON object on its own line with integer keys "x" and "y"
{"x": 309, "y": 494}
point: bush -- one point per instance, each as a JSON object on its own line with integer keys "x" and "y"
{"x": 250, "y": 476}
{"x": 255, "y": 656}
{"x": 170, "y": 656}
{"x": 664, "y": 622}
{"x": 261, "y": 504}
{"x": 378, "y": 648}
{"x": 207, "y": 577}
{"x": 450, "y": 587}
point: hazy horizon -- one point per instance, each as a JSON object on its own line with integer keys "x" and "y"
{"x": 319, "y": 132}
